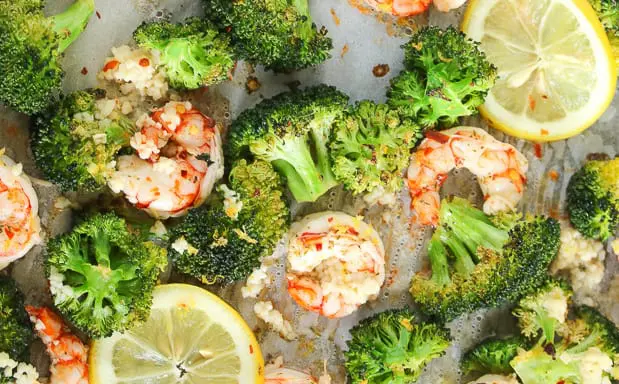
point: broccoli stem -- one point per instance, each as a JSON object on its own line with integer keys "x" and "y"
{"x": 320, "y": 136}
{"x": 305, "y": 29}
{"x": 471, "y": 228}
{"x": 292, "y": 158}
{"x": 438, "y": 260}
{"x": 72, "y": 22}
{"x": 463, "y": 263}
{"x": 102, "y": 249}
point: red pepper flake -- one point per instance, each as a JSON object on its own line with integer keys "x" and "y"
{"x": 437, "y": 136}
{"x": 144, "y": 62}
{"x": 538, "y": 150}
{"x": 353, "y": 231}
{"x": 344, "y": 51}
{"x": 554, "y": 175}
{"x": 544, "y": 132}
{"x": 330, "y": 219}
{"x": 98, "y": 15}
{"x": 228, "y": 29}
{"x": 319, "y": 247}
{"x": 110, "y": 65}
{"x": 84, "y": 71}
{"x": 251, "y": 349}
{"x": 380, "y": 70}
{"x": 545, "y": 97}
{"x": 336, "y": 19}
{"x": 10, "y": 234}
{"x": 532, "y": 103}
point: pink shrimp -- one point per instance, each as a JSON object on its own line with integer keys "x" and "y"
{"x": 166, "y": 178}
{"x": 19, "y": 221}
{"x": 500, "y": 169}
{"x": 400, "y": 8}
{"x": 336, "y": 263}
{"x": 68, "y": 354}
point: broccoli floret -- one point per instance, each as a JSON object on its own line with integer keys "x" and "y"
{"x": 446, "y": 77}
{"x": 371, "y": 146}
{"x": 277, "y": 34}
{"x": 391, "y": 347}
{"x": 544, "y": 311}
{"x": 102, "y": 275}
{"x": 608, "y": 12}
{"x": 194, "y": 54}
{"x": 75, "y": 150}
{"x": 15, "y": 329}
{"x": 292, "y": 132}
{"x": 595, "y": 330}
{"x": 541, "y": 366}
{"x": 475, "y": 264}
{"x": 582, "y": 353}
{"x": 224, "y": 239}
{"x": 593, "y": 199}
{"x": 31, "y": 47}
{"x": 492, "y": 356}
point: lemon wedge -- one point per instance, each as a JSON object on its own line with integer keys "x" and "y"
{"x": 191, "y": 336}
{"x": 557, "y": 72}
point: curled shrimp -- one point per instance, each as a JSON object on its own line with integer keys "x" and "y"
{"x": 19, "y": 218}
{"x": 499, "y": 167}
{"x": 400, "y": 8}
{"x": 448, "y": 5}
{"x": 178, "y": 161}
{"x": 336, "y": 263}
{"x": 69, "y": 356}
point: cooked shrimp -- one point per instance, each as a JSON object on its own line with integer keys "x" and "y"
{"x": 276, "y": 373}
{"x": 19, "y": 213}
{"x": 448, "y": 5}
{"x": 400, "y": 8}
{"x": 168, "y": 176}
{"x": 68, "y": 354}
{"x": 499, "y": 167}
{"x": 336, "y": 263}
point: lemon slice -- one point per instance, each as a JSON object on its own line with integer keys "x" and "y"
{"x": 192, "y": 336}
{"x": 557, "y": 73}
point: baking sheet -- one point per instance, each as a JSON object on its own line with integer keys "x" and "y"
{"x": 361, "y": 41}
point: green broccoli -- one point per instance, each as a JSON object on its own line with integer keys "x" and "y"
{"x": 577, "y": 350}
{"x": 544, "y": 311}
{"x": 291, "y": 131}
{"x": 594, "y": 330}
{"x": 277, "y": 34}
{"x": 586, "y": 350}
{"x": 475, "y": 264}
{"x": 102, "y": 275}
{"x": 391, "y": 347}
{"x": 593, "y": 199}
{"x": 15, "y": 329}
{"x": 31, "y": 47}
{"x": 492, "y": 356}
{"x": 224, "y": 239}
{"x": 371, "y": 146}
{"x": 446, "y": 77}
{"x": 193, "y": 54}
{"x": 608, "y": 12}
{"x": 75, "y": 150}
